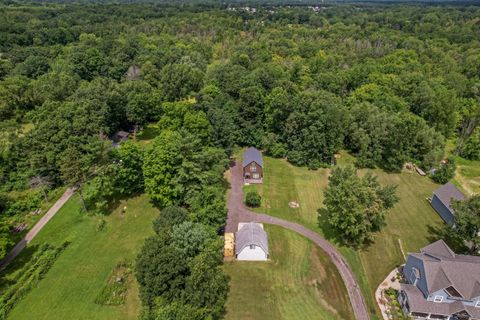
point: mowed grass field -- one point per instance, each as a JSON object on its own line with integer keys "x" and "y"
{"x": 410, "y": 223}
{"x": 467, "y": 176}
{"x": 299, "y": 282}
{"x": 69, "y": 289}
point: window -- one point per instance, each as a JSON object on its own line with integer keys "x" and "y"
{"x": 420, "y": 314}
{"x": 253, "y": 167}
{"x": 477, "y": 304}
{"x": 453, "y": 293}
{"x": 252, "y": 247}
{"x": 414, "y": 276}
{"x": 256, "y": 176}
{"x": 438, "y": 299}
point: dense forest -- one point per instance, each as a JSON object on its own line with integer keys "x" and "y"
{"x": 389, "y": 83}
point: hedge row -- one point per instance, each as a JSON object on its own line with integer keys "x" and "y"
{"x": 29, "y": 276}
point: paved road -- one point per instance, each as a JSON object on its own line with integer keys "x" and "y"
{"x": 238, "y": 212}
{"x": 36, "y": 229}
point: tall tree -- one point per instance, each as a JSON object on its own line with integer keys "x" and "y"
{"x": 176, "y": 166}
{"x": 356, "y": 207}
{"x": 466, "y": 230}
{"x": 470, "y": 113}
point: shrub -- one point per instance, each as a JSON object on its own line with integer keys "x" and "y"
{"x": 253, "y": 199}
{"x": 114, "y": 291}
{"x": 445, "y": 172}
{"x": 471, "y": 149}
{"x": 28, "y": 202}
{"x": 101, "y": 225}
{"x": 169, "y": 217}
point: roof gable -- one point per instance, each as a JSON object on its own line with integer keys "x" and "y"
{"x": 447, "y": 192}
{"x": 443, "y": 268}
{"x": 252, "y": 155}
{"x": 438, "y": 249}
{"x": 251, "y": 234}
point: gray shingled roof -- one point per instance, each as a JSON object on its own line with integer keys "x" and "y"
{"x": 251, "y": 233}
{"x": 252, "y": 154}
{"x": 418, "y": 303}
{"x": 439, "y": 248}
{"x": 447, "y": 192}
{"x": 444, "y": 268}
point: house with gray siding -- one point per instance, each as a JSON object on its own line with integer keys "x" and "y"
{"x": 442, "y": 201}
{"x": 440, "y": 284}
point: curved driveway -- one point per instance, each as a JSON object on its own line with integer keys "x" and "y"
{"x": 238, "y": 212}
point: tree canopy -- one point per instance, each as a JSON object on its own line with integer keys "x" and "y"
{"x": 355, "y": 207}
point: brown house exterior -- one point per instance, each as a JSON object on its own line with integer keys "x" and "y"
{"x": 252, "y": 166}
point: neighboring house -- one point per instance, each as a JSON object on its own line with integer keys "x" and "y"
{"x": 251, "y": 242}
{"x": 252, "y": 166}
{"x": 441, "y": 284}
{"x": 442, "y": 201}
{"x": 119, "y": 137}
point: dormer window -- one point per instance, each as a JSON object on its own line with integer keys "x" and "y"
{"x": 438, "y": 299}
{"x": 414, "y": 276}
{"x": 452, "y": 292}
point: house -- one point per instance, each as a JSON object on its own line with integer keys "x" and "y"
{"x": 441, "y": 284}
{"x": 442, "y": 201}
{"x": 119, "y": 137}
{"x": 251, "y": 242}
{"x": 252, "y": 166}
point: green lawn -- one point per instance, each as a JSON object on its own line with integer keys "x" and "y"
{"x": 299, "y": 282}
{"x": 409, "y": 223}
{"x": 467, "y": 176}
{"x": 148, "y": 133}
{"x": 77, "y": 277}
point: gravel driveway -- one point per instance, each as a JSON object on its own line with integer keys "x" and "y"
{"x": 238, "y": 212}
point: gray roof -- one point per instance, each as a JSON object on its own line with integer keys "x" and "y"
{"x": 418, "y": 303}
{"x": 251, "y": 234}
{"x": 443, "y": 268}
{"x": 447, "y": 192}
{"x": 252, "y": 154}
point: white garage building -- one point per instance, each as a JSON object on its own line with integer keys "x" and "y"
{"x": 251, "y": 242}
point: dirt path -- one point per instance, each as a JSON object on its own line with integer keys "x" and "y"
{"x": 238, "y": 212}
{"x": 36, "y": 229}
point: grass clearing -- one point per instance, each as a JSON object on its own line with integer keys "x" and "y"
{"x": 299, "y": 282}
{"x": 409, "y": 224}
{"x": 78, "y": 276}
{"x": 148, "y": 133}
{"x": 467, "y": 176}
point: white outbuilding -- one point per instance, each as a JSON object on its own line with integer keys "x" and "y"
{"x": 251, "y": 242}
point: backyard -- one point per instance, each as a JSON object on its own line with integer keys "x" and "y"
{"x": 410, "y": 224}
{"x": 77, "y": 278}
{"x": 299, "y": 282}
